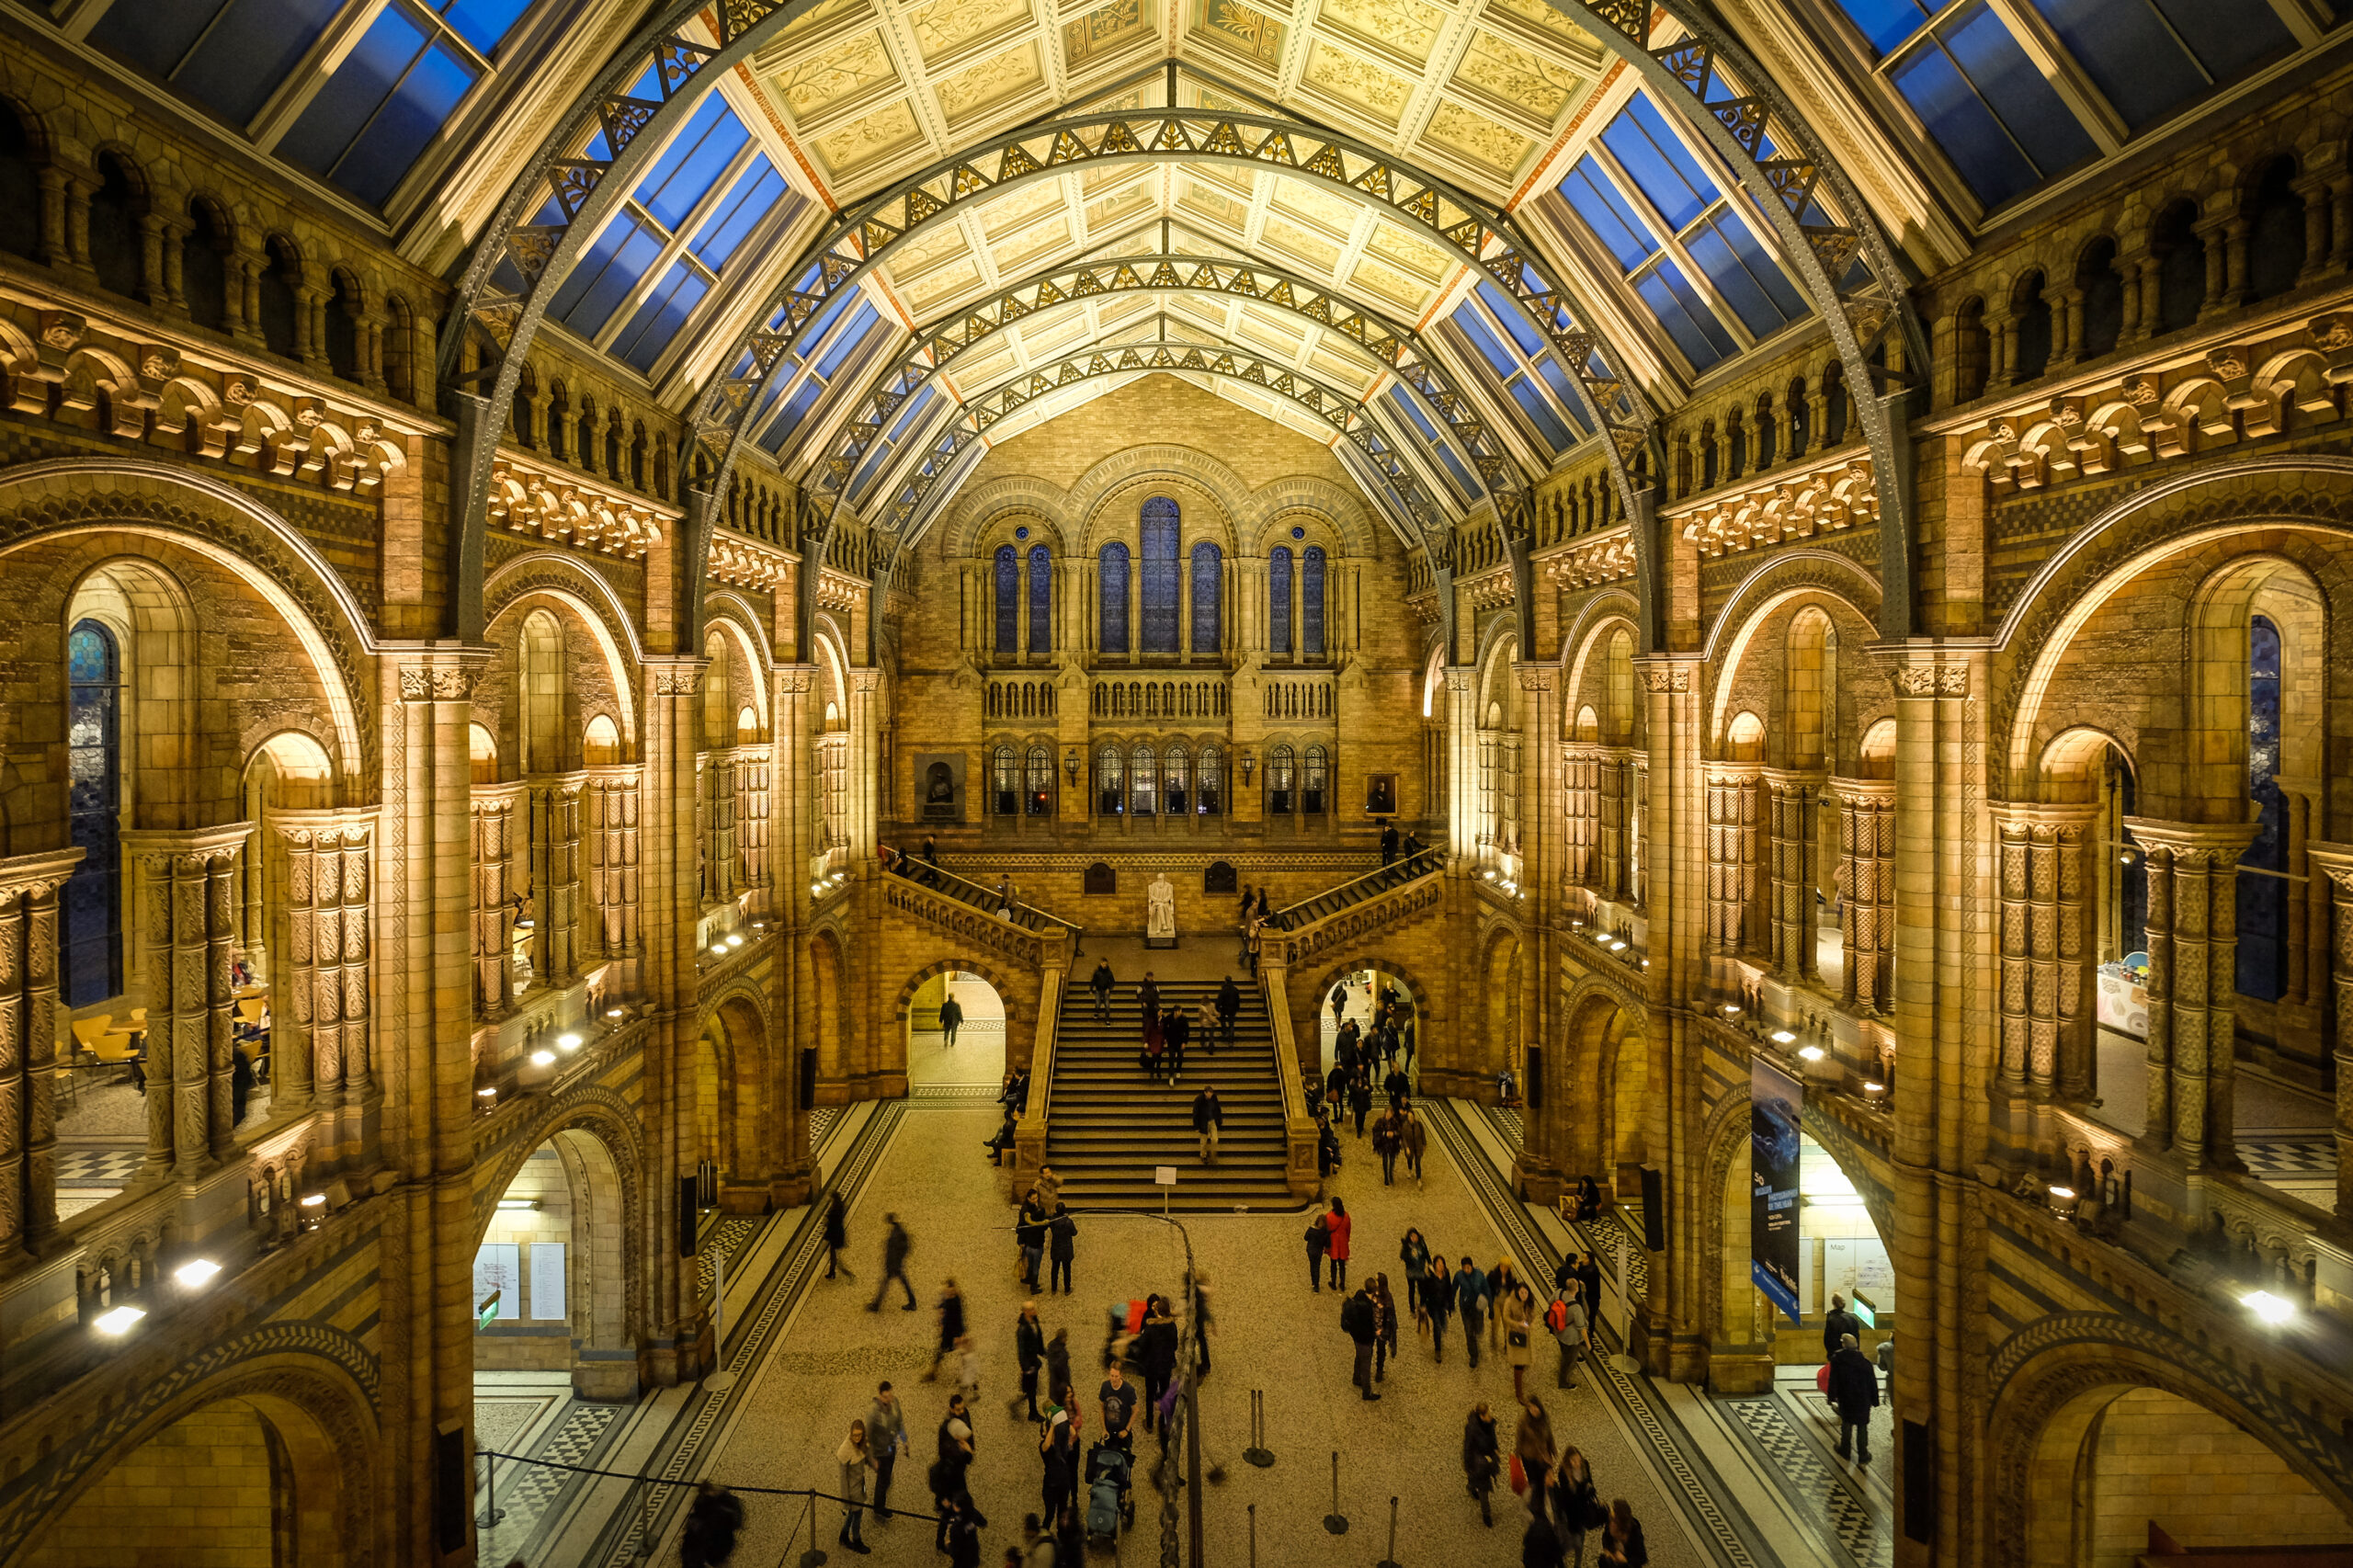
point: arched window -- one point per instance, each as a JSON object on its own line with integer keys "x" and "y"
{"x": 1282, "y": 778}
{"x": 1161, "y": 527}
{"x": 2032, "y": 332}
{"x": 2275, "y": 236}
{"x": 343, "y": 329}
{"x": 1208, "y": 578}
{"x": 204, "y": 268}
{"x": 1279, "y": 600}
{"x": 1834, "y": 406}
{"x": 1005, "y": 782}
{"x": 1736, "y": 446}
{"x": 1041, "y": 599}
{"x": 2103, "y": 290}
{"x": 1972, "y": 351}
{"x": 1038, "y": 788}
{"x": 1008, "y": 599}
{"x": 2181, "y": 267}
{"x": 1110, "y": 787}
{"x": 19, "y": 189}
{"x": 1311, "y": 602}
{"x": 1208, "y": 798}
{"x": 118, "y": 252}
{"x": 1175, "y": 797}
{"x": 1313, "y": 785}
{"x": 1708, "y": 457}
{"x": 2263, "y": 900}
{"x": 278, "y": 305}
{"x": 1801, "y": 418}
{"x": 1144, "y": 779}
{"x": 93, "y": 899}
{"x": 1766, "y": 431}
{"x": 1112, "y": 572}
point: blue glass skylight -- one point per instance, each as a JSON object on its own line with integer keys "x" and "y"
{"x": 693, "y": 162}
{"x": 390, "y": 97}
{"x": 1526, "y": 366}
{"x": 1660, "y": 166}
{"x": 832, "y": 354}
{"x": 1465, "y": 487}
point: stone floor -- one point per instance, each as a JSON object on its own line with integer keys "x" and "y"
{"x": 2285, "y": 1131}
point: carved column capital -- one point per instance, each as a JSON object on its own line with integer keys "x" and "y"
{"x": 2216, "y": 846}
{"x": 1932, "y": 680}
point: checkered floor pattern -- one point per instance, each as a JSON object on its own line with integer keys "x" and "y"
{"x": 111, "y": 1168}
{"x": 529, "y": 1494}
{"x": 1837, "y": 1501}
{"x": 2308, "y": 1157}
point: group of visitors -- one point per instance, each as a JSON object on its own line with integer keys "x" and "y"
{"x": 1396, "y": 851}
{"x": 1045, "y": 1233}
{"x": 1565, "y": 1508}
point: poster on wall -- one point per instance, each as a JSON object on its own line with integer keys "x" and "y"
{"x": 1774, "y": 1101}
{"x": 939, "y": 785}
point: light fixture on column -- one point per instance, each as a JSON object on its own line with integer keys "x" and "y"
{"x": 117, "y": 1322}
{"x": 1249, "y": 764}
{"x": 2270, "y": 1310}
{"x": 2062, "y": 1201}
{"x": 195, "y": 1273}
{"x": 1070, "y": 765}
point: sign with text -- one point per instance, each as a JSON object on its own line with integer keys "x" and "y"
{"x": 1774, "y": 1101}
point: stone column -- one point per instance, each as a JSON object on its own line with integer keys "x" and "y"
{"x": 753, "y": 806}
{"x": 321, "y": 1055}
{"x": 864, "y": 799}
{"x": 29, "y": 954}
{"x": 793, "y": 837}
{"x": 1790, "y": 798}
{"x": 2193, "y": 963}
{"x": 494, "y": 922}
{"x": 718, "y": 826}
{"x": 189, "y": 877}
{"x": 2335, "y": 863}
{"x": 1540, "y": 866}
{"x": 1463, "y": 769}
{"x": 1581, "y": 768}
{"x": 1867, "y": 844}
{"x": 2045, "y": 956}
{"x": 610, "y": 796}
{"x": 557, "y": 807}
{"x": 1732, "y": 842}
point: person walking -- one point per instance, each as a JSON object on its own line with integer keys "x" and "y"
{"x": 1058, "y": 1373}
{"x": 1414, "y": 1262}
{"x": 1360, "y": 1321}
{"x": 1481, "y": 1458}
{"x": 1061, "y": 1248}
{"x": 1836, "y": 1325}
{"x": 1030, "y": 1235}
{"x": 886, "y": 1434}
{"x": 961, "y": 1524}
{"x": 1208, "y": 1120}
{"x": 1386, "y": 1141}
{"x": 1229, "y": 1007}
{"x": 1339, "y": 1224}
{"x": 837, "y": 1234}
{"x": 1515, "y": 1314}
{"x": 1388, "y": 844}
{"x": 1101, "y": 984}
{"x": 1156, "y": 1350}
{"x": 1416, "y": 1140}
{"x": 896, "y": 1245}
{"x": 951, "y": 1018}
{"x": 1176, "y": 1028}
{"x": 1566, "y": 1318}
{"x": 1118, "y": 1399}
{"x": 1438, "y": 1298}
{"x": 1533, "y": 1445}
{"x": 1339, "y": 1002}
{"x": 1204, "y": 1324}
{"x": 1385, "y": 1342}
{"x": 1589, "y": 1285}
{"x": 858, "y": 1467}
{"x": 1155, "y": 1043}
{"x": 1854, "y": 1392}
{"x": 1471, "y": 1301}
{"x": 1205, "y": 1018}
{"x": 1360, "y": 1098}
{"x": 1575, "y": 1510}
{"x": 1059, "y": 1447}
{"x": 1319, "y": 1243}
{"x": 1148, "y": 997}
{"x": 951, "y": 1326}
{"x": 1621, "y": 1541}
{"x": 948, "y": 1469}
{"x": 713, "y": 1520}
{"x": 1393, "y": 1083}
{"x": 1030, "y": 1350}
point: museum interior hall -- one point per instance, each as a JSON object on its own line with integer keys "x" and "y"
{"x": 1608, "y": 720}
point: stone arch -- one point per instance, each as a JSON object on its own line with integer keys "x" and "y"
{"x": 2053, "y": 1377}
{"x": 546, "y": 573}
{"x": 1341, "y": 511}
{"x": 1727, "y": 657}
{"x": 828, "y": 1020}
{"x": 906, "y": 1003}
{"x": 314, "y": 1387}
{"x": 735, "y": 1103}
{"x": 1740, "y": 1342}
{"x": 1087, "y": 501}
{"x": 979, "y": 510}
{"x": 728, "y": 622}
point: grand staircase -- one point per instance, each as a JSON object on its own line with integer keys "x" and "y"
{"x": 1110, "y": 1125}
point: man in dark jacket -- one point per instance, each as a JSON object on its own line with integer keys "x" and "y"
{"x": 1061, "y": 1248}
{"x": 1361, "y": 1324}
{"x": 1030, "y": 1234}
{"x": 1388, "y": 844}
{"x": 951, "y": 1018}
{"x": 1229, "y": 1004}
{"x": 837, "y": 1234}
{"x": 1101, "y": 985}
{"x": 713, "y": 1519}
{"x": 1854, "y": 1392}
{"x": 1340, "y": 1000}
{"x": 1361, "y": 1099}
{"x": 1836, "y": 1325}
{"x": 1319, "y": 1242}
{"x": 895, "y": 1247}
{"x": 1029, "y": 1348}
{"x": 1148, "y": 996}
{"x": 1209, "y": 1119}
{"x": 1471, "y": 1301}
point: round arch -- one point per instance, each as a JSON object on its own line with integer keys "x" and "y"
{"x": 735, "y": 1080}
{"x": 546, "y": 576}
{"x": 1726, "y": 659}
{"x": 1419, "y": 999}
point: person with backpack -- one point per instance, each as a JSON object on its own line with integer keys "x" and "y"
{"x": 1566, "y": 1317}
{"x": 1836, "y": 1325}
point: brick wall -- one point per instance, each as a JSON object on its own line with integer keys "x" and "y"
{"x": 197, "y": 1494}
{"x": 2156, "y": 1456}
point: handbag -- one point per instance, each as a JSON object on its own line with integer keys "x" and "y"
{"x": 1518, "y": 1475}
{"x": 1519, "y": 1339}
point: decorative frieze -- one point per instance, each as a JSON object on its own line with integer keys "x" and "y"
{"x": 1790, "y": 505}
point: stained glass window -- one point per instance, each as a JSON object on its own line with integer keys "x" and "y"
{"x": 1173, "y": 771}
{"x": 1041, "y": 599}
{"x": 2263, "y": 900}
{"x": 1311, "y": 602}
{"x": 1279, "y": 600}
{"x": 1008, "y": 599}
{"x": 1112, "y": 575}
{"x": 1161, "y": 527}
{"x": 1111, "y": 796}
{"x": 1143, "y": 777}
{"x": 1208, "y": 580}
{"x": 93, "y": 907}
{"x": 1212, "y": 797}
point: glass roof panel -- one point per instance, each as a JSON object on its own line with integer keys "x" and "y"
{"x": 388, "y": 98}
{"x": 660, "y": 316}
{"x": 615, "y": 261}
{"x": 1656, "y": 161}
{"x": 484, "y": 23}
{"x": 1596, "y": 201}
{"x": 757, "y": 190}
{"x": 693, "y": 162}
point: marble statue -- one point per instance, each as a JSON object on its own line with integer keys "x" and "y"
{"x": 1160, "y": 909}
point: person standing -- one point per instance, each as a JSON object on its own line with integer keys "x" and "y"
{"x": 1854, "y": 1392}
{"x": 896, "y": 1245}
{"x": 1229, "y": 1007}
{"x": 1156, "y": 1349}
{"x": 947, "y": 1471}
{"x": 1059, "y": 1449}
{"x": 1030, "y": 1350}
{"x": 1386, "y": 1141}
{"x": 1438, "y": 1298}
{"x": 1339, "y": 1003}
{"x": 1516, "y": 1315}
{"x": 1148, "y": 999}
{"x": 857, "y": 1466}
{"x": 1118, "y": 1399}
{"x": 1836, "y": 1325}
{"x": 886, "y": 1434}
{"x": 1385, "y": 1340}
{"x": 1030, "y": 1234}
{"x": 837, "y": 1234}
{"x": 951, "y": 1018}
{"x": 1360, "y": 1321}
{"x": 1101, "y": 985}
{"x": 1058, "y": 1374}
{"x": 1208, "y": 1120}
{"x": 1062, "y": 1246}
{"x": 1470, "y": 1300}
{"x": 1568, "y": 1319}
{"x": 952, "y": 1327}
{"x": 1416, "y": 1139}
{"x": 1361, "y": 1097}
{"x": 1339, "y": 1224}
{"x": 1590, "y": 1284}
{"x": 1481, "y": 1458}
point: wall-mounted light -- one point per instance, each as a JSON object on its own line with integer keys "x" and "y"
{"x": 1249, "y": 764}
{"x": 195, "y": 1273}
{"x": 1811, "y": 1053}
{"x": 612, "y": 1012}
{"x": 317, "y": 1201}
{"x": 2063, "y": 1201}
{"x": 2270, "y": 1310}
{"x": 543, "y": 1059}
{"x": 1872, "y": 1091}
{"x": 1070, "y": 765}
{"x": 118, "y": 1322}
{"x": 488, "y": 1098}
{"x": 1731, "y": 1010}
{"x": 514, "y": 1205}
{"x": 567, "y": 1042}
{"x": 1783, "y": 1036}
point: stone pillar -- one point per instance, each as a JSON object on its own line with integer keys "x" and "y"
{"x": 29, "y": 953}
{"x": 1540, "y": 864}
{"x": 678, "y": 1330}
{"x": 2193, "y": 964}
{"x": 793, "y": 836}
{"x": 322, "y": 1019}
{"x": 753, "y": 771}
{"x": 864, "y": 800}
{"x": 1463, "y": 764}
{"x": 1581, "y": 770}
{"x": 1866, "y": 846}
{"x": 610, "y": 796}
{"x": 494, "y": 922}
{"x": 718, "y": 826}
{"x": 189, "y": 879}
{"x": 2333, "y": 862}
{"x": 2045, "y": 962}
{"x": 1790, "y": 799}
{"x": 555, "y": 811}
{"x": 1731, "y": 845}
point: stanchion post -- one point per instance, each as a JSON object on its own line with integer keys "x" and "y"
{"x": 492, "y": 1513}
{"x": 1391, "y": 1561}
{"x": 813, "y": 1557}
{"x": 1254, "y": 1535}
{"x": 1336, "y": 1522}
{"x": 1258, "y": 1453}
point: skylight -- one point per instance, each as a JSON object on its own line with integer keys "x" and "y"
{"x": 1524, "y": 366}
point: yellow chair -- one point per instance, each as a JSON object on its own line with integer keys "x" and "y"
{"x": 253, "y": 1010}
{"x": 105, "y": 1044}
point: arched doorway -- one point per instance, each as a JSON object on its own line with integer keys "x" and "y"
{"x": 551, "y": 1292}
{"x": 977, "y": 1053}
{"x": 733, "y": 1132}
{"x": 1366, "y": 989}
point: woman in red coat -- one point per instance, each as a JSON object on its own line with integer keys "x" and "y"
{"x": 1338, "y": 1223}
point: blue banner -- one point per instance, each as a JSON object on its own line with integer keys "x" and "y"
{"x": 1775, "y": 1100}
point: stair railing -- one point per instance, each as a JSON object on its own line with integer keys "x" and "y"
{"x": 1299, "y": 1128}
{"x": 1029, "y": 1132}
{"x": 941, "y": 879}
{"x": 1356, "y": 889}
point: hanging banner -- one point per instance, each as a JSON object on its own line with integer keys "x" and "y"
{"x": 1774, "y": 1101}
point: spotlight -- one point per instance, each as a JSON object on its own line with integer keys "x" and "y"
{"x": 613, "y": 1013}
{"x": 1731, "y": 1011}
{"x": 568, "y": 1041}
{"x": 118, "y": 1322}
{"x": 485, "y": 1094}
{"x": 2063, "y": 1201}
{"x": 1783, "y": 1036}
{"x": 511, "y": 1205}
{"x": 195, "y": 1272}
{"x": 1811, "y": 1053}
{"x": 2270, "y": 1310}
{"x": 319, "y": 1199}
{"x": 543, "y": 1059}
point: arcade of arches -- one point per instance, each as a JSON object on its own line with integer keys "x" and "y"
{"x": 607, "y": 611}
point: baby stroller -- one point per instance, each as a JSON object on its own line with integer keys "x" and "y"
{"x": 1110, "y": 1505}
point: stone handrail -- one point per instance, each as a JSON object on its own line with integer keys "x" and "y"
{"x": 1006, "y": 938}
{"x": 1299, "y": 1128}
{"x": 1029, "y": 917}
{"x": 1374, "y": 908}
{"x": 1358, "y": 890}
{"x": 1029, "y": 1131}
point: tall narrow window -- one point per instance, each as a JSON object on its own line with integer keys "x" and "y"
{"x": 1112, "y": 575}
{"x": 1004, "y": 783}
{"x": 1110, "y": 788}
{"x": 1282, "y": 780}
{"x": 1144, "y": 779}
{"x": 1008, "y": 599}
{"x": 1311, "y": 602}
{"x": 1175, "y": 795}
{"x": 1210, "y": 798}
{"x": 1312, "y": 786}
{"x": 2263, "y": 900}
{"x": 1208, "y": 577}
{"x": 1279, "y": 600}
{"x": 1041, "y": 599}
{"x": 1038, "y": 787}
{"x": 93, "y": 903}
{"x": 1161, "y": 527}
